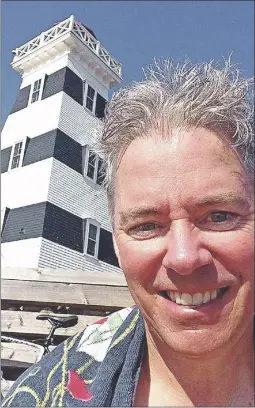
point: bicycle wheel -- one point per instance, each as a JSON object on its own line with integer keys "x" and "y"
{"x": 16, "y": 350}
{"x": 17, "y": 355}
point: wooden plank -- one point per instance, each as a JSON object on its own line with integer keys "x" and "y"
{"x": 75, "y": 295}
{"x": 22, "y": 323}
{"x": 65, "y": 276}
{"x": 19, "y": 353}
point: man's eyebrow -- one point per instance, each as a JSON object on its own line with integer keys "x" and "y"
{"x": 137, "y": 212}
{"x": 224, "y": 198}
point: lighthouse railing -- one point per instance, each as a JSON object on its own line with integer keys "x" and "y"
{"x": 70, "y": 25}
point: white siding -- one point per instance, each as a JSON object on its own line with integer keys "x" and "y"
{"x": 57, "y": 256}
{"x": 26, "y": 185}
{"x": 70, "y": 191}
{"x": 37, "y": 118}
{"x": 24, "y": 253}
{"x": 51, "y": 66}
{"x": 77, "y": 122}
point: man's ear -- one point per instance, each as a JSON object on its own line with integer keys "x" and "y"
{"x": 116, "y": 250}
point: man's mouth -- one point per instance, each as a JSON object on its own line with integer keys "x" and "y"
{"x": 195, "y": 299}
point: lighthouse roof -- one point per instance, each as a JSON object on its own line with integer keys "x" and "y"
{"x": 62, "y": 31}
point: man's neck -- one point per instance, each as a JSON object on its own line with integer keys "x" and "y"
{"x": 222, "y": 378}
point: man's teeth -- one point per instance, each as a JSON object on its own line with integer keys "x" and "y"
{"x": 196, "y": 299}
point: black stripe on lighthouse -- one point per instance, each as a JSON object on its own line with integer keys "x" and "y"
{"x": 54, "y": 143}
{"x": 21, "y": 99}
{"x": 5, "y": 159}
{"x": 57, "y": 144}
{"x": 46, "y": 220}
{"x": 62, "y": 80}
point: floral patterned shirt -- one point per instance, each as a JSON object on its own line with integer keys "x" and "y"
{"x": 98, "y": 367}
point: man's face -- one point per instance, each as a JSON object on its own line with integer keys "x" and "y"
{"x": 184, "y": 238}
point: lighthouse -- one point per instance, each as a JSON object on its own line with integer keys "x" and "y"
{"x": 54, "y": 208}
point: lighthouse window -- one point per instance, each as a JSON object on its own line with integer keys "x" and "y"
{"x": 92, "y": 232}
{"x": 90, "y": 98}
{"x": 92, "y": 159}
{"x": 16, "y": 156}
{"x": 36, "y": 91}
{"x": 93, "y": 166}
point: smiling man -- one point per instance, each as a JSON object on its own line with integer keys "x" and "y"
{"x": 178, "y": 153}
{"x": 184, "y": 237}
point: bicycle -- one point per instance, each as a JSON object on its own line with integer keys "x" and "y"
{"x": 40, "y": 350}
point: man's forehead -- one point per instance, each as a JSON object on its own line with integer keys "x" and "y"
{"x": 151, "y": 166}
{"x": 179, "y": 142}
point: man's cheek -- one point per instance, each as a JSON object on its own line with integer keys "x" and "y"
{"x": 144, "y": 252}
{"x": 140, "y": 269}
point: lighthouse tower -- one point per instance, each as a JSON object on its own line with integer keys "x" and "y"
{"x": 54, "y": 208}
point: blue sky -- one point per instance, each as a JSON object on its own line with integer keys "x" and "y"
{"x": 136, "y": 31}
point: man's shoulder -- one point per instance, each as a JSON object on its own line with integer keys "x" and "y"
{"x": 61, "y": 370}
{"x": 96, "y": 338}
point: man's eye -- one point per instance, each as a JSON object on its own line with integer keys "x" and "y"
{"x": 146, "y": 230}
{"x": 219, "y": 216}
{"x": 220, "y": 221}
{"x": 146, "y": 227}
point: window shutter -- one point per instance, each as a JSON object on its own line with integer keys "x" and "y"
{"x": 27, "y": 141}
{"x": 84, "y": 226}
{"x": 100, "y": 106}
{"x": 106, "y": 250}
{"x": 84, "y": 152}
{"x": 45, "y": 81}
{"x": 25, "y": 150}
{"x": 100, "y": 172}
{"x": 4, "y": 214}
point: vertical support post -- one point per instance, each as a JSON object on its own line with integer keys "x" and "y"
{"x": 71, "y": 22}
{"x": 97, "y": 47}
{"x": 42, "y": 38}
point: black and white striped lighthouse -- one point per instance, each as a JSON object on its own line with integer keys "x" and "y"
{"x": 54, "y": 209}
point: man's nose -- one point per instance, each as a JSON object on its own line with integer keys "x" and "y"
{"x": 185, "y": 251}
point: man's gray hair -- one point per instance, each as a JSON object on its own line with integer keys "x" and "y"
{"x": 184, "y": 95}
